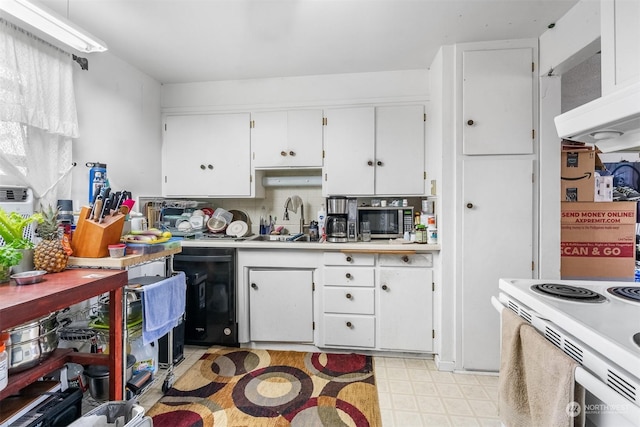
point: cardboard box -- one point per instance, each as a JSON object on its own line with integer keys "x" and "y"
{"x": 598, "y": 241}
{"x": 577, "y": 175}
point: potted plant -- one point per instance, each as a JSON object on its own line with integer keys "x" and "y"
{"x": 15, "y": 246}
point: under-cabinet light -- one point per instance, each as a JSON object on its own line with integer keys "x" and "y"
{"x": 292, "y": 181}
{"x": 53, "y": 25}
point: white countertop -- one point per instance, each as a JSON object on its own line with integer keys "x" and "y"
{"x": 373, "y": 246}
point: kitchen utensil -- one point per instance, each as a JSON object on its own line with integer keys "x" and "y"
{"x": 134, "y": 309}
{"x": 29, "y": 277}
{"x": 216, "y": 225}
{"x": 224, "y": 214}
{"x": 237, "y": 229}
{"x": 33, "y": 342}
{"x": 98, "y": 376}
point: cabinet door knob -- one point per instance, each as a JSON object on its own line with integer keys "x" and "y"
{"x": 348, "y": 275}
{"x": 370, "y": 163}
{"x": 203, "y": 167}
{"x": 254, "y": 286}
{"x": 379, "y": 163}
{"x": 405, "y": 258}
{"x": 349, "y": 259}
{"x": 349, "y": 325}
{"x": 470, "y": 122}
{"x": 283, "y": 153}
{"x": 210, "y": 167}
{"x": 292, "y": 153}
{"x": 469, "y": 205}
{"x": 385, "y": 287}
{"x": 348, "y": 296}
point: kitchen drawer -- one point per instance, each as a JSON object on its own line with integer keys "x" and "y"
{"x": 339, "y": 258}
{"x": 349, "y": 300}
{"x": 349, "y": 276}
{"x": 349, "y": 331}
{"x": 415, "y": 260}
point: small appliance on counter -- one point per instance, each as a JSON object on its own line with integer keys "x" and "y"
{"x": 352, "y": 219}
{"x": 337, "y": 216}
{"x": 387, "y": 222}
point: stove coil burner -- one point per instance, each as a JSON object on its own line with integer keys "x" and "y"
{"x": 631, "y": 293}
{"x": 567, "y": 292}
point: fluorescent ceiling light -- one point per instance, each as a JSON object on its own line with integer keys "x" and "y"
{"x": 53, "y": 25}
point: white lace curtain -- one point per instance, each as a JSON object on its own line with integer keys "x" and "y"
{"x": 38, "y": 116}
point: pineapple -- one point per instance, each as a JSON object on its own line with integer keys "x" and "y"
{"x": 50, "y": 254}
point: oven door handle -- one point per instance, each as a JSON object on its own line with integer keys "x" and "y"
{"x": 497, "y": 304}
{"x": 203, "y": 258}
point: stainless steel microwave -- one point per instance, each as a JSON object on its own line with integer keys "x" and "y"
{"x": 389, "y": 222}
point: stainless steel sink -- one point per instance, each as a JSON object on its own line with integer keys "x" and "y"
{"x": 305, "y": 238}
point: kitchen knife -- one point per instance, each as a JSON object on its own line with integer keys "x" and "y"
{"x": 112, "y": 203}
{"x": 119, "y": 198}
{"x": 97, "y": 209}
{"x": 105, "y": 210}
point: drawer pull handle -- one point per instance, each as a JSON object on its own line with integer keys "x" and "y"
{"x": 348, "y": 275}
{"x": 292, "y": 153}
{"x": 379, "y": 163}
{"x": 349, "y": 325}
{"x": 470, "y": 122}
{"x": 349, "y": 259}
{"x": 254, "y": 286}
{"x": 405, "y": 258}
{"x": 385, "y": 288}
{"x": 283, "y": 153}
{"x": 348, "y": 296}
{"x": 369, "y": 163}
{"x": 203, "y": 167}
{"x": 210, "y": 167}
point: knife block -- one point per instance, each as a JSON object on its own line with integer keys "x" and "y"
{"x": 92, "y": 239}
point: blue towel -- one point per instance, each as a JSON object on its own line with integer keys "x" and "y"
{"x": 163, "y": 303}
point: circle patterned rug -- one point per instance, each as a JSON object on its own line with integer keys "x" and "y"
{"x": 248, "y": 387}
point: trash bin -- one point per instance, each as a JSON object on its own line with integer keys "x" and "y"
{"x": 117, "y": 413}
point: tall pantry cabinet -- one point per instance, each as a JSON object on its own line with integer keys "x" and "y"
{"x": 491, "y": 177}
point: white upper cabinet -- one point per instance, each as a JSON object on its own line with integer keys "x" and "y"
{"x": 283, "y": 139}
{"x": 497, "y": 101}
{"x": 400, "y": 150}
{"x": 349, "y": 140}
{"x": 207, "y": 155}
{"x": 620, "y": 43}
{"x": 374, "y": 151}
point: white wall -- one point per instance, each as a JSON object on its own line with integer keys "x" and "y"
{"x": 323, "y": 90}
{"x": 120, "y": 125}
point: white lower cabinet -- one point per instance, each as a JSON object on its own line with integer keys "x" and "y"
{"x": 281, "y": 305}
{"x": 406, "y": 310}
{"x": 378, "y": 301}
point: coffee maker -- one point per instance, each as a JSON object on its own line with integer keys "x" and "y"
{"x": 336, "y": 223}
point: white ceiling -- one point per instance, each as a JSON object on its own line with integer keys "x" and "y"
{"x": 178, "y": 41}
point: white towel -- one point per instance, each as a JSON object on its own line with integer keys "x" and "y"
{"x": 163, "y": 304}
{"x": 537, "y": 383}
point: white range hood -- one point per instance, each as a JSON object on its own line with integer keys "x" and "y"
{"x": 611, "y": 122}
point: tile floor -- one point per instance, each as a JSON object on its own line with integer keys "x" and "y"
{"x": 412, "y": 393}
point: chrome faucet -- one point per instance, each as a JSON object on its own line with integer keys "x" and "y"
{"x": 294, "y": 203}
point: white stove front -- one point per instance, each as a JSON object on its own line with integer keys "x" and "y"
{"x": 599, "y": 335}
{"x": 607, "y": 327}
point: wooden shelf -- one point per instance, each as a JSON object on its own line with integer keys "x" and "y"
{"x": 23, "y": 304}
{"x": 23, "y": 379}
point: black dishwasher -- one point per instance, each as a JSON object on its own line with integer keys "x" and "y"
{"x": 210, "y": 315}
